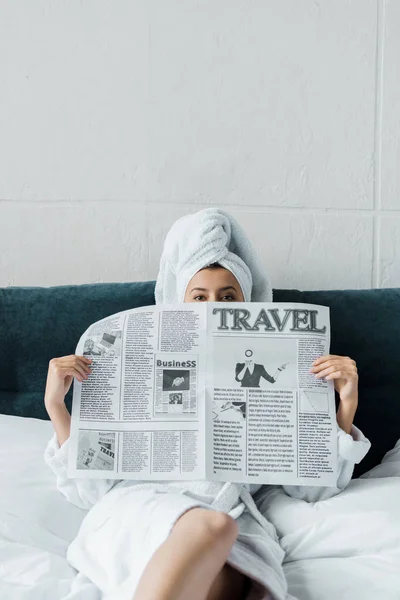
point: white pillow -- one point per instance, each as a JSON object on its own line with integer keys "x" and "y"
{"x": 345, "y": 547}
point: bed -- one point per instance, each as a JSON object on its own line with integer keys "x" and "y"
{"x": 346, "y": 547}
{"x": 36, "y": 522}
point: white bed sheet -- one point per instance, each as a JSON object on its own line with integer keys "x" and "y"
{"x": 36, "y": 522}
{"x": 346, "y": 547}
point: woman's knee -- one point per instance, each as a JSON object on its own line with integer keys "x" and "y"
{"x": 220, "y": 524}
{"x": 210, "y": 525}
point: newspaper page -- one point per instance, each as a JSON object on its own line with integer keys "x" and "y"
{"x": 206, "y": 391}
{"x": 269, "y": 420}
{"x": 141, "y": 413}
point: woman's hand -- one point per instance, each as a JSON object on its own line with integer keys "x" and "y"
{"x": 61, "y": 374}
{"x": 343, "y": 370}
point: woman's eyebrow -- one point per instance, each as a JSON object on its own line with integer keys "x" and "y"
{"x": 224, "y": 289}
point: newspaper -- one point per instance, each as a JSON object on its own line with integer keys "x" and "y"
{"x": 216, "y": 391}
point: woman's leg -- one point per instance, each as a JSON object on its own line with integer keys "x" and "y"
{"x": 190, "y": 564}
{"x": 229, "y": 584}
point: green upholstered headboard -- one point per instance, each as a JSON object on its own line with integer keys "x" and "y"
{"x": 37, "y": 324}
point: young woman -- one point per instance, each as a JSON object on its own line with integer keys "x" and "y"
{"x": 190, "y": 540}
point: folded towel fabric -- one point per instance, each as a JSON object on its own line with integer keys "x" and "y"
{"x": 198, "y": 240}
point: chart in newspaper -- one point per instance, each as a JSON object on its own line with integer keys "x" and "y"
{"x": 269, "y": 419}
{"x": 218, "y": 391}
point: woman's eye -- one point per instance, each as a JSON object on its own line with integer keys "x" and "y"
{"x": 198, "y": 298}
{"x": 228, "y": 299}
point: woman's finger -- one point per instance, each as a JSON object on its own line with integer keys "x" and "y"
{"x": 325, "y": 372}
{"x": 84, "y": 358}
{"x": 78, "y": 375}
{"x": 81, "y": 370}
{"x": 63, "y": 359}
{"x": 323, "y": 358}
{"x": 71, "y": 362}
{"x": 70, "y": 372}
{"x": 326, "y": 357}
{"x": 332, "y": 363}
{"x": 74, "y": 371}
{"x": 337, "y": 374}
{"x": 71, "y": 358}
{"x": 84, "y": 363}
{"x": 84, "y": 366}
{"x": 341, "y": 375}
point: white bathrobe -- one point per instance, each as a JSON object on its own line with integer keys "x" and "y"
{"x": 128, "y": 520}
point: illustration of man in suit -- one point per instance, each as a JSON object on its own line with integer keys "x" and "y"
{"x": 249, "y": 373}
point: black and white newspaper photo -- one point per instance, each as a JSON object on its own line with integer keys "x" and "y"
{"x": 221, "y": 391}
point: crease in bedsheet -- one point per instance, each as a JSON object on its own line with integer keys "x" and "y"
{"x": 17, "y": 530}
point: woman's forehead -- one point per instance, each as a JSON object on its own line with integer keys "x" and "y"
{"x": 215, "y": 277}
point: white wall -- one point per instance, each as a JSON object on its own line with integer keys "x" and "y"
{"x": 118, "y": 117}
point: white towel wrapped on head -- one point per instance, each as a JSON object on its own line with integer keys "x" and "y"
{"x": 198, "y": 240}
